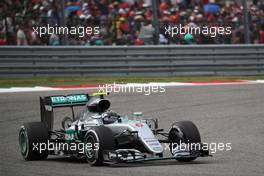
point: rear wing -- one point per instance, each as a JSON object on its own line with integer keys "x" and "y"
{"x": 47, "y": 104}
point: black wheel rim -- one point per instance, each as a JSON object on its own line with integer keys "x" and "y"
{"x": 91, "y": 152}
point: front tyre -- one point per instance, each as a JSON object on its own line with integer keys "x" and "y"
{"x": 31, "y": 136}
{"x": 187, "y": 132}
{"x": 99, "y": 139}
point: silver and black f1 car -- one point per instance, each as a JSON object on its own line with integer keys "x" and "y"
{"x": 103, "y": 136}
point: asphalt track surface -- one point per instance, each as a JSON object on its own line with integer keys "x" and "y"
{"x": 225, "y": 113}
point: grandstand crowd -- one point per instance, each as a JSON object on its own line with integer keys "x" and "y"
{"x": 127, "y": 22}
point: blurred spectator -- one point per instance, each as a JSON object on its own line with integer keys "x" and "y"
{"x": 2, "y": 40}
{"x": 162, "y": 39}
{"x": 21, "y": 36}
{"x": 188, "y": 38}
{"x": 261, "y": 33}
{"x": 146, "y": 33}
{"x": 54, "y": 40}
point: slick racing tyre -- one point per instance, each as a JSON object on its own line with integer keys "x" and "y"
{"x": 66, "y": 123}
{"x": 187, "y": 132}
{"x": 100, "y": 138}
{"x": 31, "y": 136}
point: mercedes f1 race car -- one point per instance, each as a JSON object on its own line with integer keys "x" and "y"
{"x": 102, "y": 136}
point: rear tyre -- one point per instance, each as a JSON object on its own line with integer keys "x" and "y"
{"x": 31, "y": 135}
{"x": 66, "y": 123}
{"x": 190, "y": 134}
{"x": 100, "y": 139}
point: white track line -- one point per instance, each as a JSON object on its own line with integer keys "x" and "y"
{"x": 26, "y": 89}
